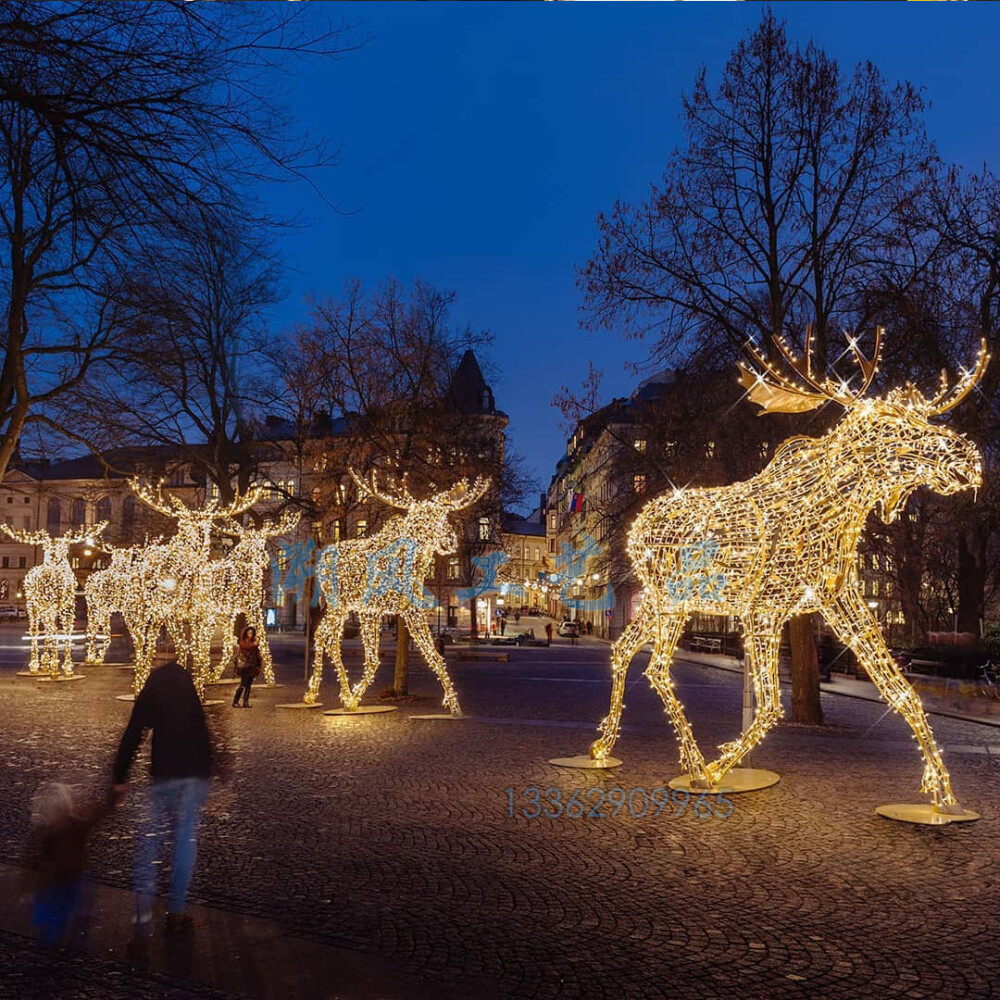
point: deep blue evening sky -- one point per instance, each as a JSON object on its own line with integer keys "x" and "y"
{"x": 480, "y": 141}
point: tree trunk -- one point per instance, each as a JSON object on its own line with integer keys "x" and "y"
{"x": 473, "y": 622}
{"x": 806, "y": 708}
{"x": 972, "y": 570}
{"x": 401, "y": 678}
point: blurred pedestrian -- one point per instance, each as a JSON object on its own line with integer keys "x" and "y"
{"x": 56, "y": 858}
{"x": 182, "y": 762}
{"x": 548, "y": 632}
{"x": 247, "y": 664}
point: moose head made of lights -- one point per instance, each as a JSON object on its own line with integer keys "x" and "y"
{"x": 785, "y": 542}
{"x": 383, "y": 574}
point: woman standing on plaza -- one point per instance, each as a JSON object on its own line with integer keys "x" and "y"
{"x": 247, "y": 664}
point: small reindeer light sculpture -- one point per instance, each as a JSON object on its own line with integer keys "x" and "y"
{"x": 381, "y": 575}
{"x": 50, "y": 597}
{"x": 785, "y": 543}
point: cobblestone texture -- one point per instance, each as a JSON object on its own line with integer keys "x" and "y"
{"x": 392, "y": 837}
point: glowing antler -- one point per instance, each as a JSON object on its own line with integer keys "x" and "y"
{"x": 402, "y": 500}
{"x": 462, "y": 495}
{"x": 949, "y": 397}
{"x": 776, "y": 392}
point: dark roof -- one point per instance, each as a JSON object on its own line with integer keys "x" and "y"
{"x": 468, "y": 390}
{"x": 514, "y": 524}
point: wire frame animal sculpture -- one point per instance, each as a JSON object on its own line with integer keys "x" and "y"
{"x": 107, "y": 593}
{"x": 167, "y": 587}
{"x": 785, "y": 543}
{"x": 383, "y": 574}
{"x": 50, "y": 598}
{"x": 237, "y": 587}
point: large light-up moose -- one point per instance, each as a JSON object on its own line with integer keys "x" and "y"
{"x": 237, "y": 587}
{"x": 167, "y": 586}
{"x": 50, "y": 597}
{"x": 785, "y": 543}
{"x": 380, "y": 575}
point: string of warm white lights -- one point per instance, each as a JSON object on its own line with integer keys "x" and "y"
{"x": 785, "y": 543}
{"x": 380, "y": 575}
{"x": 167, "y": 586}
{"x": 50, "y": 597}
{"x": 236, "y": 584}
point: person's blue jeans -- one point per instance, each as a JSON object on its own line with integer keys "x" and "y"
{"x": 53, "y": 910}
{"x": 173, "y": 807}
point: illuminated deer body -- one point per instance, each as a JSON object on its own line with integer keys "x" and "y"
{"x": 50, "y": 598}
{"x": 237, "y": 587}
{"x": 379, "y": 575}
{"x": 166, "y": 587}
{"x": 105, "y": 594}
{"x": 785, "y": 543}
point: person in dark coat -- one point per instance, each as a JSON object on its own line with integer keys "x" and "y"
{"x": 248, "y": 664}
{"x": 169, "y": 705}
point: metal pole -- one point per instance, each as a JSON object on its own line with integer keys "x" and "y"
{"x": 308, "y": 599}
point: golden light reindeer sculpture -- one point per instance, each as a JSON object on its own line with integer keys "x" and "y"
{"x": 237, "y": 586}
{"x": 785, "y": 543}
{"x": 50, "y": 597}
{"x": 167, "y": 586}
{"x": 380, "y": 575}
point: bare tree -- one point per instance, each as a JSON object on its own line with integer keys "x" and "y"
{"x": 116, "y": 119}
{"x": 779, "y": 210}
{"x": 386, "y": 364}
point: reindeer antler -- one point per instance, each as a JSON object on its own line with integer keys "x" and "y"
{"x": 948, "y": 398}
{"x": 776, "y": 392}
{"x": 26, "y": 537}
{"x": 94, "y": 531}
{"x": 462, "y": 495}
{"x": 401, "y": 501}
{"x": 176, "y": 508}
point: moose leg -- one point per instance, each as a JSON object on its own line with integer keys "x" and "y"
{"x": 637, "y": 632}
{"x": 326, "y": 640}
{"x": 762, "y": 641}
{"x": 416, "y": 623}
{"x": 857, "y": 628}
{"x": 255, "y": 618}
{"x": 667, "y": 633}
{"x": 369, "y": 638}
{"x": 67, "y": 619}
{"x": 34, "y": 630}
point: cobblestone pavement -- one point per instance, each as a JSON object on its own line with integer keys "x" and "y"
{"x": 393, "y": 837}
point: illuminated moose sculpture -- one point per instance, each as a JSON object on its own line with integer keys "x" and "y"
{"x": 168, "y": 587}
{"x": 380, "y": 575}
{"x": 785, "y": 543}
{"x": 50, "y": 597}
{"x": 237, "y": 587}
{"x": 105, "y": 594}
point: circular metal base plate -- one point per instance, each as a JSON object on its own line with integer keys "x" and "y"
{"x": 223, "y": 681}
{"x": 208, "y": 702}
{"x": 362, "y": 710}
{"x": 586, "y": 763}
{"x": 276, "y": 684}
{"x": 124, "y": 697}
{"x": 739, "y": 779}
{"x": 924, "y": 814}
{"x": 299, "y": 704}
{"x": 62, "y": 677}
{"x": 31, "y": 673}
{"x": 440, "y": 715}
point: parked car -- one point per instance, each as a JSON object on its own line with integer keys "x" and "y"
{"x": 8, "y": 611}
{"x": 22, "y": 612}
{"x": 570, "y": 629}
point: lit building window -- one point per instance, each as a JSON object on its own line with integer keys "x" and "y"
{"x": 710, "y": 449}
{"x": 484, "y": 529}
{"x": 640, "y": 445}
{"x": 361, "y": 529}
{"x": 453, "y": 568}
{"x": 639, "y": 483}
{"x": 4, "y": 589}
